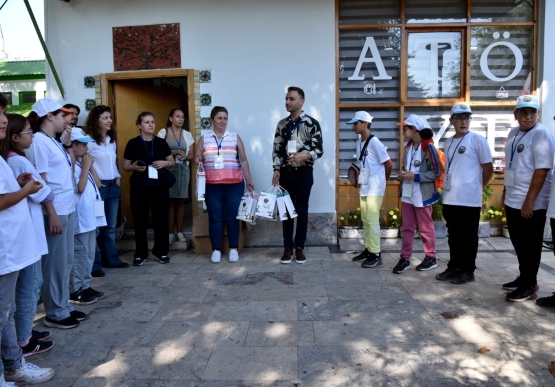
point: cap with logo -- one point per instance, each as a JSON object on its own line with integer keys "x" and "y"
{"x": 460, "y": 108}
{"x": 47, "y": 105}
{"x": 530, "y": 101}
{"x": 413, "y": 120}
{"x": 77, "y": 134}
{"x": 361, "y": 116}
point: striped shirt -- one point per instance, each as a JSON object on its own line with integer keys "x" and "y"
{"x": 227, "y": 148}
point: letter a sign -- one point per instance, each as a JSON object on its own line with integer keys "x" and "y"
{"x": 370, "y": 45}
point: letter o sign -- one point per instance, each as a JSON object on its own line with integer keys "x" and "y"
{"x": 518, "y": 61}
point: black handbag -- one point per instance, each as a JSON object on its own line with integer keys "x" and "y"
{"x": 166, "y": 178}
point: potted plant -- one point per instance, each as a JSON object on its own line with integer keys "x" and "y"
{"x": 484, "y": 226}
{"x": 350, "y": 225}
{"x": 393, "y": 224}
{"x": 486, "y": 216}
{"x": 440, "y": 226}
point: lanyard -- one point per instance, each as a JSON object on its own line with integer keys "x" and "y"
{"x": 59, "y": 146}
{"x": 294, "y": 128}
{"x": 515, "y": 143}
{"x": 152, "y": 150}
{"x": 365, "y": 152}
{"x": 178, "y": 141}
{"x": 91, "y": 179}
{"x": 219, "y": 143}
{"x": 450, "y": 159}
{"x": 413, "y": 154}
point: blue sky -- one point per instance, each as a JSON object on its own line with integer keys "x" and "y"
{"x": 20, "y": 38}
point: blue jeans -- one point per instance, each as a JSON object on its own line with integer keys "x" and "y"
{"x": 298, "y": 184}
{"x": 11, "y": 351}
{"x": 27, "y": 293}
{"x": 106, "y": 253}
{"x": 222, "y": 201}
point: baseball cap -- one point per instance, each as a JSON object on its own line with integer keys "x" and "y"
{"x": 361, "y": 116}
{"x": 77, "y": 134}
{"x": 460, "y": 108}
{"x": 528, "y": 101}
{"x": 46, "y": 105}
{"x": 413, "y": 120}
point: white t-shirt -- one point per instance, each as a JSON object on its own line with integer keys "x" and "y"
{"x": 414, "y": 159}
{"x": 18, "y": 244}
{"x": 532, "y": 150}
{"x": 376, "y": 155}
{"x": 19, "y": 165}
{"x": 85, "y": 220}
{"x": 551, "y": 206}
{"x": 464, "y": 157}
{"x": 52, "y": 159}
{"x": 105, "y": 159}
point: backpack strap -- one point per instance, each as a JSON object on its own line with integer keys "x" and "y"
{"x": 365, "y": 146}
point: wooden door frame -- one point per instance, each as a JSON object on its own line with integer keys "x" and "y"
{"x": 107, "y": 89}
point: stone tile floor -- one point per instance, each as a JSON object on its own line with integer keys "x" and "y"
{"x": 326, "y": 323}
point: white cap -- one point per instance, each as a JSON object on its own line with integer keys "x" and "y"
{"x": 460, "y": 108}
{"x": 361, "y": 116}
{"x": 413, "y": 120}
{"x": 78, "y": 134}
{"x": 46, "y": 105}
{"x": 528, "y": 101}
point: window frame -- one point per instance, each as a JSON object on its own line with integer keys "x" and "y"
{"x": 23, "y": 93}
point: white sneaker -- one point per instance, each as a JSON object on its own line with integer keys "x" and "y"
{"x": 216, "y": 256}
{"x": 3, "y": 382}
{"x": 181, "y": 237}
{"x": 233, "y": 255}
{"x": 172, "y": 238}
{"x": 29, "y": 373}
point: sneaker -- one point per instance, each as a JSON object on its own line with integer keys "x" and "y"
{"x": 216, "y": 256}
{"x": 121, "y": 265}
{"x": 98, "y": 273}
{"x": 79, "y": 316}
{"x": 138, "y": 261}
{"x": 300, "y": 258}
{"x": 120, "y": 230}
{"x": 81, "y": 298}
{"x": 287, "y": 256}
{"x": 163, "y": 259}
{"x": 233, "y": 255}
{"x": 35, "y": 347}
{"x": 95, "y": 293}
{"x": 402, "y": 265}
{"x": 521, "y": 294}
{"x": 29, "y": 374}
{"x": 428, "y": 263}
{"x": 373, "y": 260}
{"x": 181, "y": 237}
{"x": 40, "y": 336}
{"x": 172, "y": 238}
{"x": 513, "y": 285}
{"x": 447, "y": 274}
{"x": 362, "y": 256}
{"x": 463, "y": 277}
{"x": 67, "y": 323}
{"x": 546, "y": 301}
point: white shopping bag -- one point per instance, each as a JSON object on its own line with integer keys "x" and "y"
{"x": 289, "y": 204}
{"x": 282, "y": 212}
{"x": 266, "y": 207}
{"x": 247, "y": 208}
{"x": 201, "y": 183}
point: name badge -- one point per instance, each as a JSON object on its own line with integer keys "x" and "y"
{"x": 447, "y": 182}
{"x": 219, "y": 162}
{"x": 407, "y": 189}
{"x": 74, "y": 181}
{"x": 510, "y": 175}
{"x": 152, "y": 172}
{"x": 98, "y": 208}
{"x": 177, "y": 161}
{"x": 291, "y": 146}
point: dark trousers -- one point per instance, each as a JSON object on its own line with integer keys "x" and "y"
{"x": 143, "y": 200}
{"x": 462, "y": 225}
{"x": 222, "y": 202}
{"x": 298, "y": 184}
{"x": 527, "y": 238}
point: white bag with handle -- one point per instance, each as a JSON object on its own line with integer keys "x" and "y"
{"x": 282, "y": 211}
{"x": 266, "y": 207}
{"x": 201, "y": 183}
{"x": 247, "y": 207}
{"x": 289, "y": 204}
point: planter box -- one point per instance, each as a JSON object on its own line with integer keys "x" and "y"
{"x": 440, "y": 228}
{"x": 351, "y": 232}
{"x": 389, "y": 233}
{"x": 484, "y": 230}
{"x": 506, "y": 232}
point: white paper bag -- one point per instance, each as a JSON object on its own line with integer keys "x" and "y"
{"x": 266, "y": 207}
{"x": 201, "y": 183}
{"x": 247, "y": 208}
{"x": 289, "y": 204}
{"x": 282, "y": 212}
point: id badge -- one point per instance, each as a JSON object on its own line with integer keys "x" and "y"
{"x": 447, "y": 182}
{"x": 177, "y": 161}
{"x": 363, "y": 177}
{"x": 219, "y": 162}
{"x": 291, "y": 146}
{"x": 407, "y": 189}
{"x": 98, "y": 208}
{"x": 510, "y": 175}
{"x": 152, "y": 172}
{"x": 75, "y": 190}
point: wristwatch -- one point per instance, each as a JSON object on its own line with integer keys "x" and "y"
{"x": 67, "y": 146}
{"x": 169, "y": 164}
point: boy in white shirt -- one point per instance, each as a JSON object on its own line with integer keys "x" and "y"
{"x": 375, "y": 172}
{"x": 529, "y": 162}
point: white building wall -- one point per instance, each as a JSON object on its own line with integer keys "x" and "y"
{"x": 15, "y": 87}
{"x": 546, "y": 67}
{"x": 255, "y": 49}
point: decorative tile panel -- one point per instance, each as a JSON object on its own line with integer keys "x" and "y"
{"x": 89, "y": 82}
{"x": 206, "y": 99}
{"x": 89, "y": 104}
{"x": 205, "y": 76}
{"x": 206, "y": 123}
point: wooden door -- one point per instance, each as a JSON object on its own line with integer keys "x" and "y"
{"x": 131, "y": 99}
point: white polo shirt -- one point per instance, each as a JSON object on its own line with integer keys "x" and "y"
{"x": 376, "y": 156}
{"x": 105, "y": 159}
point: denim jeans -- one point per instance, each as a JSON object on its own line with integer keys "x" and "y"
{"x": 27, "y": 293}
{"x": 222, "y": 201}
{"x": 298, "y": 184}
{"x": 11, "y": 351}
{"x": 106, "y": 253}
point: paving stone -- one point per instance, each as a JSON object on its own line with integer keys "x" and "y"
{"x": 208, "y": 334}
{"x": 257, "y": 363}
{"x": 132, "y": 333}
{"x": 120, "y": 311}
{"x": 280, "y": 334}
{"x": 266, "y": 293}
{"x": 383, "y": 293}
{"x": 254, "y": 311}
{"x": 176, "y": 293}
{"x": 182, "y": 312}
{"x": 71, "y": 361}
{"x": 337, "y": 277}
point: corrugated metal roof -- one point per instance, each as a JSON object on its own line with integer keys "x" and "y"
{"x": 22, "y": 68}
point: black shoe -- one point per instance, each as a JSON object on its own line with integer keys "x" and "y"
{"x": 98, "y": 273}
{"x": 300, "y": 258}
{"x": 40, "y": 335}
{"x": 79, "y": 316}
{"x": 362, "y": 256}
{"x": 428, "y": 263}
{"x": 163, "y": 259}
{"x": 522, "y": 293}
{"x": 463, "y": 277}
{"x": 82, "y": 298}
{"x": 513, "y": 285}
{"x": 447, "y": 274}
{"x": 122, "y": 265}
{"x": 138, "y": 261}
{"x": 546, "y": 301}
{"x": 373, "y": 260}
{"x": 35, "y": 347}
{"x": 95, "y": 293}
{"x": 402, "y": 266}
{"x": 66, "y": 323}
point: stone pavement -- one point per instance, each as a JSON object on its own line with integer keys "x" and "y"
{"x": 326, "y": 323}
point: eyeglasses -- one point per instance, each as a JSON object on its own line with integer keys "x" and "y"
{"x": 26, "y": 132}
{"x": 461, "y": 119}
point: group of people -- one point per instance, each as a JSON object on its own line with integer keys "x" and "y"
{"x": 466, "y": 170}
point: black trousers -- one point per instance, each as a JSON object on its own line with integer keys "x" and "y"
{"x": 462, "y": 226}
{"x": 145, "y": 200}
{"x": 527, "y": 238}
